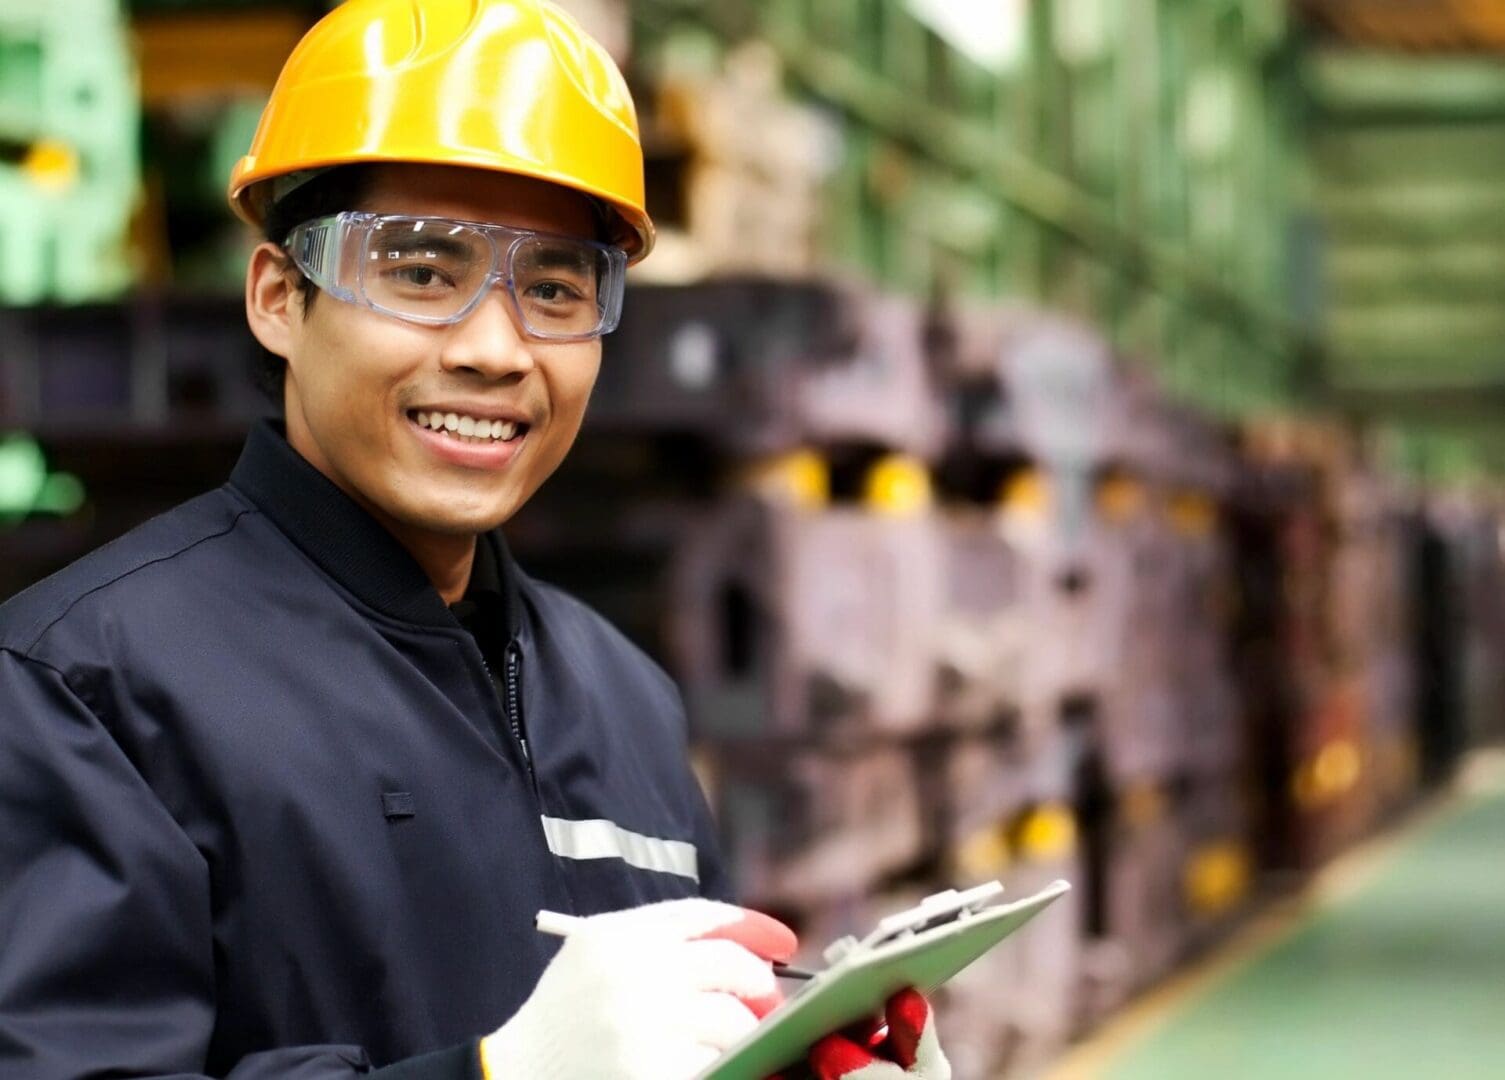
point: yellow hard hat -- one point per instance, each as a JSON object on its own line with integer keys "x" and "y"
{"x": 513, "y": 86}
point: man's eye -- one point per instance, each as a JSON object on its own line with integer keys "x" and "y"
{"x": 419, "y": 275}
{"x": 552, "y": 291}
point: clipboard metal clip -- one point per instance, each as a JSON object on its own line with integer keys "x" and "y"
{"x": 935, "y": 910}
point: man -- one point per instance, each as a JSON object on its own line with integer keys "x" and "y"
{"x": 287, "y": 773}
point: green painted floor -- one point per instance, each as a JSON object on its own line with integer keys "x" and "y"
{"x": 1404, "y": 977}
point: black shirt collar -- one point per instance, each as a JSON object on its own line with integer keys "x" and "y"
{"x": 485, "y": 575}
{"x": 348, "y": 543}
{"x": 484, "y": 599}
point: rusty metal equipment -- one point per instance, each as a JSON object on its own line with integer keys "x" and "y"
{"x": 1008, "y": 815}
{"x": 802, "y": 622}
{"x": 761, "y": 366}
{"x": 179, "y": 360}
{"x": 1217, "y": 874}
{"x": 1036, "y": 394}
{"x": 807, "y": 828}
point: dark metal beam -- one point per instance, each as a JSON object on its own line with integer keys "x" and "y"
{"x": 1363, "y": 84}
{"x": 1482, "y": 402}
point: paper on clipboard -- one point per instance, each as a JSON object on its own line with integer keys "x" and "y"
{"x": 922, "y": 947}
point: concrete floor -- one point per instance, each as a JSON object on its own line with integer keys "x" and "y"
{"x": 1394, "y": 966}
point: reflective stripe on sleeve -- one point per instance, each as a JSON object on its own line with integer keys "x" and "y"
{"x": 601, "y": 839}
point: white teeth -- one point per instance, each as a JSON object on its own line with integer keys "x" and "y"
{"x": 468, "y": 427}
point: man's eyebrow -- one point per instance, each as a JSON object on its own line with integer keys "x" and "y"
{"x": 561, "y": 256}
{"x": 438, "y": 243}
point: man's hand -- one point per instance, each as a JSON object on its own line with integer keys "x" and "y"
{"x": 651, "y": 993}
{"x": 911, "y": 1049}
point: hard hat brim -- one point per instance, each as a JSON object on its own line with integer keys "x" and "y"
{"x": 250, "y": 193}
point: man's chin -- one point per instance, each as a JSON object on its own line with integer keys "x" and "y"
{"x": 467, "y": 525}
{"x": 446, "y": 519}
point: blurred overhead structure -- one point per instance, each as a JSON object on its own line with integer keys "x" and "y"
{"x": 1408, "y": 148}
{"x": 213, "y": 54}
{"x": 1129, "y": 163}
{"x": 1414, "y": 24}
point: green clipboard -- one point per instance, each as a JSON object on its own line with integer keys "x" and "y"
{"x": 922, "y": 947}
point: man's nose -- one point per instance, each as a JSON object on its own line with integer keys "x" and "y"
{"x": 489, "y": 341}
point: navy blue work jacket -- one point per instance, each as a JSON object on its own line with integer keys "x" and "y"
{"x": 261, "y": 811}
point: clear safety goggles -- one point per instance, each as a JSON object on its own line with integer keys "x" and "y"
{"x": 435, "y": 271}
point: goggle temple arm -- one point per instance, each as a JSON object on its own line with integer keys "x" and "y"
{"x": 611, "y": 307}
{"x": 317, "y": 247}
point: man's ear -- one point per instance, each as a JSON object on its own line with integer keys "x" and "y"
{"x": 272, "y": 299}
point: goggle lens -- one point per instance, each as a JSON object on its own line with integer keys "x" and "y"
{"x": 424, "y": 269}
{"x": 558, "y": 285}
{"x": 433, "y": 270}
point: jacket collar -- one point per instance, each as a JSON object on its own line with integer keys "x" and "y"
{"x": 344, "y": 540}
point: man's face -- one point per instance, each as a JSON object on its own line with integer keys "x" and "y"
{"x": 358, "y": 381}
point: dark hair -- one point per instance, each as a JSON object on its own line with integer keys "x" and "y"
{"x": 331, "y": 192}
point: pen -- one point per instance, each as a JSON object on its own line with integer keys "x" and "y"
{"x": 552, "y": 922}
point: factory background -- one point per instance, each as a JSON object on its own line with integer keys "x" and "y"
{"x": 1052, "y": 439}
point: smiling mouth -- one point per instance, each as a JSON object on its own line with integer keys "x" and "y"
{"x": 468, "y": 429}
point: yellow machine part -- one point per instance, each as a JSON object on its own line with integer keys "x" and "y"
{"x": 1120, "y": 499}
{"x": 1026, "y": 493}
{"x": 898, "y": 486}
{"x": 1216, "y": 877}
{"x": 1047, "y": 833}
{"x": 1193, "y": 514}
{"x": 51, "y": 165}
{"x": 801, "y": 478}
{"x": 984, "y": 854}
{"x": 1328, "y": 776}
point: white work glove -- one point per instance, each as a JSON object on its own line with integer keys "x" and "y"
{"x": 911, "y": 1049}
{"x": 633, "y": 995}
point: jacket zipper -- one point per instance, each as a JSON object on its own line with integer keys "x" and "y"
{"x": 514, "y": 704}
{"x": 513, "y": 707}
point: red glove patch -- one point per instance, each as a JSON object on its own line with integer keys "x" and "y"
{"x": 910, "y": 1049}
{"x": 908, "y": 1013}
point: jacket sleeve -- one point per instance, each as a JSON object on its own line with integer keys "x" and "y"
{"x": 715, "y": 881}
{"x": 107, "y": 959}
